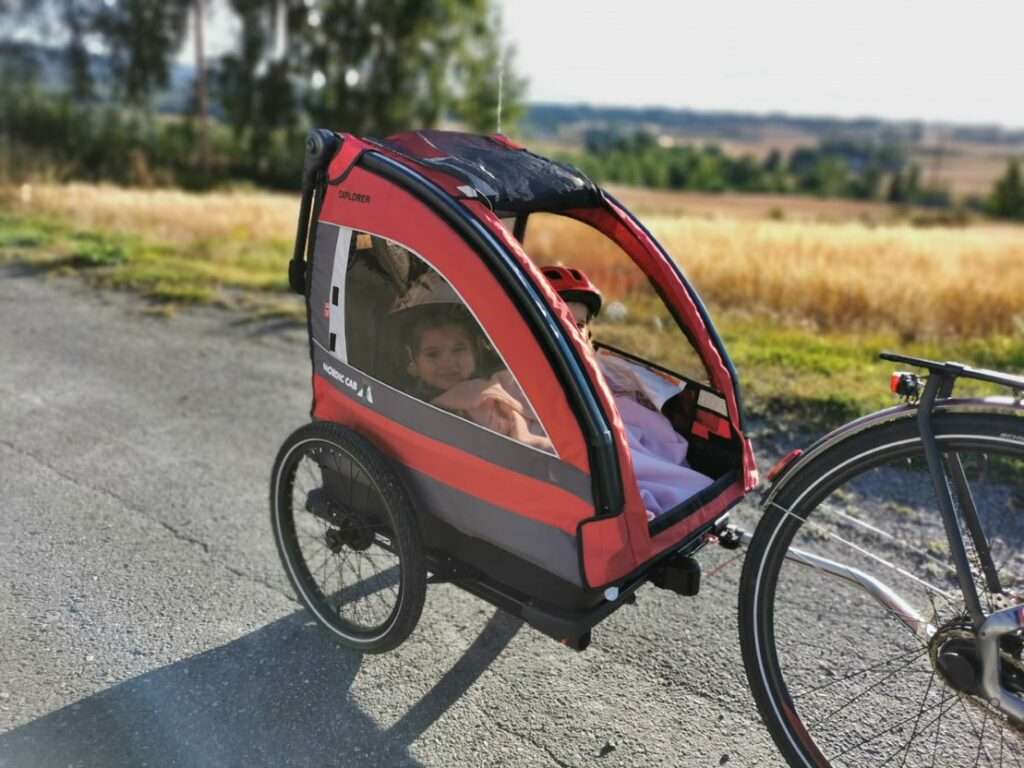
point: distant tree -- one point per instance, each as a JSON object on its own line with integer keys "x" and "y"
{"x": 866, "y": 185}
{"x": 79, "y": 18}
{"x": 831, "y": 177}
{"x": 1007, "y": 199}
{"x": 238, "y": 76}
{"x": 18, "y": 64}
{"x": 71, "y": 19}
{"x": 897, "y": 191}
{"x": 912, "y": 182}
{"x": 141, "y": 37}
{"x": 772, "y": 161}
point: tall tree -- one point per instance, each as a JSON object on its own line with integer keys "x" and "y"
{"x": 73, "y": 19}
{"x": 492, "y": 94}
{"x": 394, "y": 64}
{"x": 141, "y": 37}
{"x": 199, "y": 88}
{"x": 79, "y": 17}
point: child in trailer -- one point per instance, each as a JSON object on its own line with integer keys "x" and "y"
{"x": 444, "y": 350}
{"x": 659, "y": 452}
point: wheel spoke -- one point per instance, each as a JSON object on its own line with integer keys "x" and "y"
{"x": 864, "y": 692}
{"x": 916, "y": 653}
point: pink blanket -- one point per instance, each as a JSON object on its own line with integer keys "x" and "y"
{"x": 490, "y": 403}
{"x": 659, "y": 452}
{"x": 659, "y": 458}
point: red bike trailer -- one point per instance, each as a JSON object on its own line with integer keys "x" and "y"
{"x": 556, "y": 534}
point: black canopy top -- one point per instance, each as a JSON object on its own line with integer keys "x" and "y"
{"x": 511, "y": 178}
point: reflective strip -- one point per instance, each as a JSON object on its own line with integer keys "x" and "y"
{"x": 336, "y": 298}
{"x": 438, "y": 424}
{"x": 546, "y": 547}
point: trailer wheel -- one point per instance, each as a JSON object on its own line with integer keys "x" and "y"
{"x": 347, "y": 536}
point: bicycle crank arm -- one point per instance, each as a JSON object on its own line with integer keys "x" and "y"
{"x": 997, "y": 625}
{"x": 882, "y": 593}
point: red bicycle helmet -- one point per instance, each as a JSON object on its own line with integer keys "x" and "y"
{"x": 573, "y": 285}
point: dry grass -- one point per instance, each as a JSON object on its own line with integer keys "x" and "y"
{"x": 645, "y": 202}
{"x": 831, "y": 274}
{"x": 167, "y": 215}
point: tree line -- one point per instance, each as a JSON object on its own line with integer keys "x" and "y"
{"x": 845, "y": 168}
{"x": 834, "y": 168}
{"x": 365, "y": 67}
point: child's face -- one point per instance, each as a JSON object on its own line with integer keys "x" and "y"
{"x": 445, "y": 356}
{"x": 581, "y": 315}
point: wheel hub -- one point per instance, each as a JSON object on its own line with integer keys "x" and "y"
{"x": 348, "y": 527}
{"x": 954, "y": 654}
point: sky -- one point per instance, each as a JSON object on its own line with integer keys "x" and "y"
{"x": 942, "y": 60}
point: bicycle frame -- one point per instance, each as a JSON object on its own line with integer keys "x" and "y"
{"x": 948, "y": 476}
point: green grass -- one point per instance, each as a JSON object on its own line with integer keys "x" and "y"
{"x": 242, "y": 275}
{"x": 822, "y": 380}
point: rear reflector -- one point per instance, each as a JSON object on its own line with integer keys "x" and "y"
{"x": 904, "y": 384}
{"x": 782, "y": 463}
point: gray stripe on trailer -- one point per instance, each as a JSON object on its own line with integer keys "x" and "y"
{"x": 442, "y": 425}
{"x": 547, "y": 547}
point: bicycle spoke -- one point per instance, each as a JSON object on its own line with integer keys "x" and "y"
{"x": 863, "y": 693}
{"x": 981, "y": 741}
{"x": 938, "y": 727}
{"x": 916, "y": 653}
{"x": 970, "y": 720}
{"x": 917, "y": 722}
{"x": 868, "y": 740}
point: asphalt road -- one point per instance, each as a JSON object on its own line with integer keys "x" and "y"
{"x": 145, "y": 618}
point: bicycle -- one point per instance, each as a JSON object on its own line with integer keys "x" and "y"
{"x": 911, "y": 510}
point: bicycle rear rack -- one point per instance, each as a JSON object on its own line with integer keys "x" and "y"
{"x": 954, "y": 371}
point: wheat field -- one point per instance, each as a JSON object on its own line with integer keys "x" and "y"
{"x": 832, "y": 276}
{"x": 832, "y": 273}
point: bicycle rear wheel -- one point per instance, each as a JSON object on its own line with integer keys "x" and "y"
{"x": 846, "y": 677}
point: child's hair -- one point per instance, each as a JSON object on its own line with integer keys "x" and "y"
{"x": 438, "y": 316}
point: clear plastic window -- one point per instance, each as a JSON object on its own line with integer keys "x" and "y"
{"x": 405, "y": 325}
{"x": 633, "y": 317}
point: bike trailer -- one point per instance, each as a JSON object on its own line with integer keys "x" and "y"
{"x": 542, "y": 520}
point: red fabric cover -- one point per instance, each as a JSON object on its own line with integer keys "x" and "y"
{"x": 348, "y": 155}
{"x": 604, "y": 544}
{"x": 460, "y": 469}
{"x": 607, "y": 555}
{"x": 612, "y": 547}
{"x": 394, "y": 213}
{"x": 597, "y": 554}
{"x": 504, "y": 140}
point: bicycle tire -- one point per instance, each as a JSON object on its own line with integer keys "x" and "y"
{"x": 790, "y": 631}
{"x": 334, "y": 494}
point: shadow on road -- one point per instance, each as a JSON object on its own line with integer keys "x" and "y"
{"x": 275, "y": 697}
